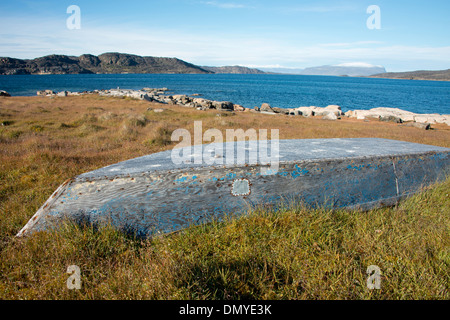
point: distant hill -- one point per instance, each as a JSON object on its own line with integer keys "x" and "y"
{"x": 355, "y": 69}
{"x": 282, "y": 70}
{"x": 112, "y": 62}
{"x": 233, "y": 69}
{"x": 441, "y": 75}
{"x": 344, "y": 70}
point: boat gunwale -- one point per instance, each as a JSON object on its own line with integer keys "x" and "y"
{"x": 79, "y": 178}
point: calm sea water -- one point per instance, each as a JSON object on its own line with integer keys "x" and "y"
{"x": 284, "y": 91}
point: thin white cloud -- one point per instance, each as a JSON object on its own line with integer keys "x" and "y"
{"x": 24, "y": 40}
{"x": 357, "y": 64}
{"x": 224, "y": 5}
{"x": 348, "y": 44}
{"x": 318, "y": 9}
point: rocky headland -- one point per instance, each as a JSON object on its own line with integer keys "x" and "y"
{"x": 439, "y": 75}
{"x": 111, "y": 62}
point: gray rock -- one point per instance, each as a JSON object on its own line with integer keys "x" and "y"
{"x": 420, "y": 125}
{"x": 45, "y": 93}
{"x": 265, "y": 107}
{"x": 182, "y": 99}
{"x": 238, "y": 107}
{"x": 280, "y": 110}
{"x": 390, "y": 118}
{"x": 169, "y": 101}
{"x": 4, "y": 94}
{"x": 223, "y": 105}
{"x": 203, "y": 103}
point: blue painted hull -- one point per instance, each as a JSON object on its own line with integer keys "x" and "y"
{"x": 150, "y": 195}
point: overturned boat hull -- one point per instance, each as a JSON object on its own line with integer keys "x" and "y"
{"x": 151, "y": 194}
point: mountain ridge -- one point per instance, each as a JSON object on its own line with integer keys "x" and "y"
{"x": 437, "y": 75}
{"x": 114, "y": 62}
{"x": 233, "y": 70}
{"x": 110, "y": 62}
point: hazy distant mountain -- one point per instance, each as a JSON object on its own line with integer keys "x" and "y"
{"x": 112, "y": 62}
{"x": 441, "y": 75}
{"x": 355, "y": 69}
{"x": 233, "y": 69}
{"x": 351, "y": 70}
{"x": 282, "y": 70}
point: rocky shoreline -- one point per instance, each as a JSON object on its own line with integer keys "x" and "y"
{"x": 331, "y": 112}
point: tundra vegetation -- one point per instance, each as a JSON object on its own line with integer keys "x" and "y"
{"x": 292, "y": 253}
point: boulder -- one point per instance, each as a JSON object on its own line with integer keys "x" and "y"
{"x": 280, "y": 110}
{"x": 45, "y": 93}
{"x": 223, "y": 105}
{"x": 4, "y": 94}
{"x": 431, "y": 118}
{"x": 363, "y": 114}
{"x": 265, "y": 107}
{"x": 306, "y": 111}
{"x": 318, "y": 111}
{"x": 398, "y": 116}
{"x": 390, "y": 118}
{"x": 62, "y": 94}
{"x": 202, "y": 103}
{"x": 238, "y": 107}
{"x": 330, "y": 116}
{"x": 166, "y": 101}
{"x": 423, "y": 126}
{"x": 335, "y": 109}
{"x": 294, "y": 112}
{"x": 182, "y": 99}
{"x": 350, "y": 114}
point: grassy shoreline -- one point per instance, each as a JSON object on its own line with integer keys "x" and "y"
{"x": 291, "y": 254}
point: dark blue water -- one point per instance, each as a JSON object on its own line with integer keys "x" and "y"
{"x": 284, "y": 91}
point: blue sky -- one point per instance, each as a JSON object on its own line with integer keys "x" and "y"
{"x": 295, "y": 34}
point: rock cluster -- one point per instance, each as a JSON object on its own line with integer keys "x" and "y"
{"x": 159, "y": 95}
{"x": 51, "y": 93}
{"x": 398, "y": 115}
{"x": 4, "y": 94}
{"x": 331, "y": 112}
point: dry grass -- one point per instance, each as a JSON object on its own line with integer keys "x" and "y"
{"x": 294, "y": 253}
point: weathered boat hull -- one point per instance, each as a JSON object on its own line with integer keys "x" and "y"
{"x": 150, "y": 195}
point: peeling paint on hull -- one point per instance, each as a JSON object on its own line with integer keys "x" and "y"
{"x": 150, "y": 195}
